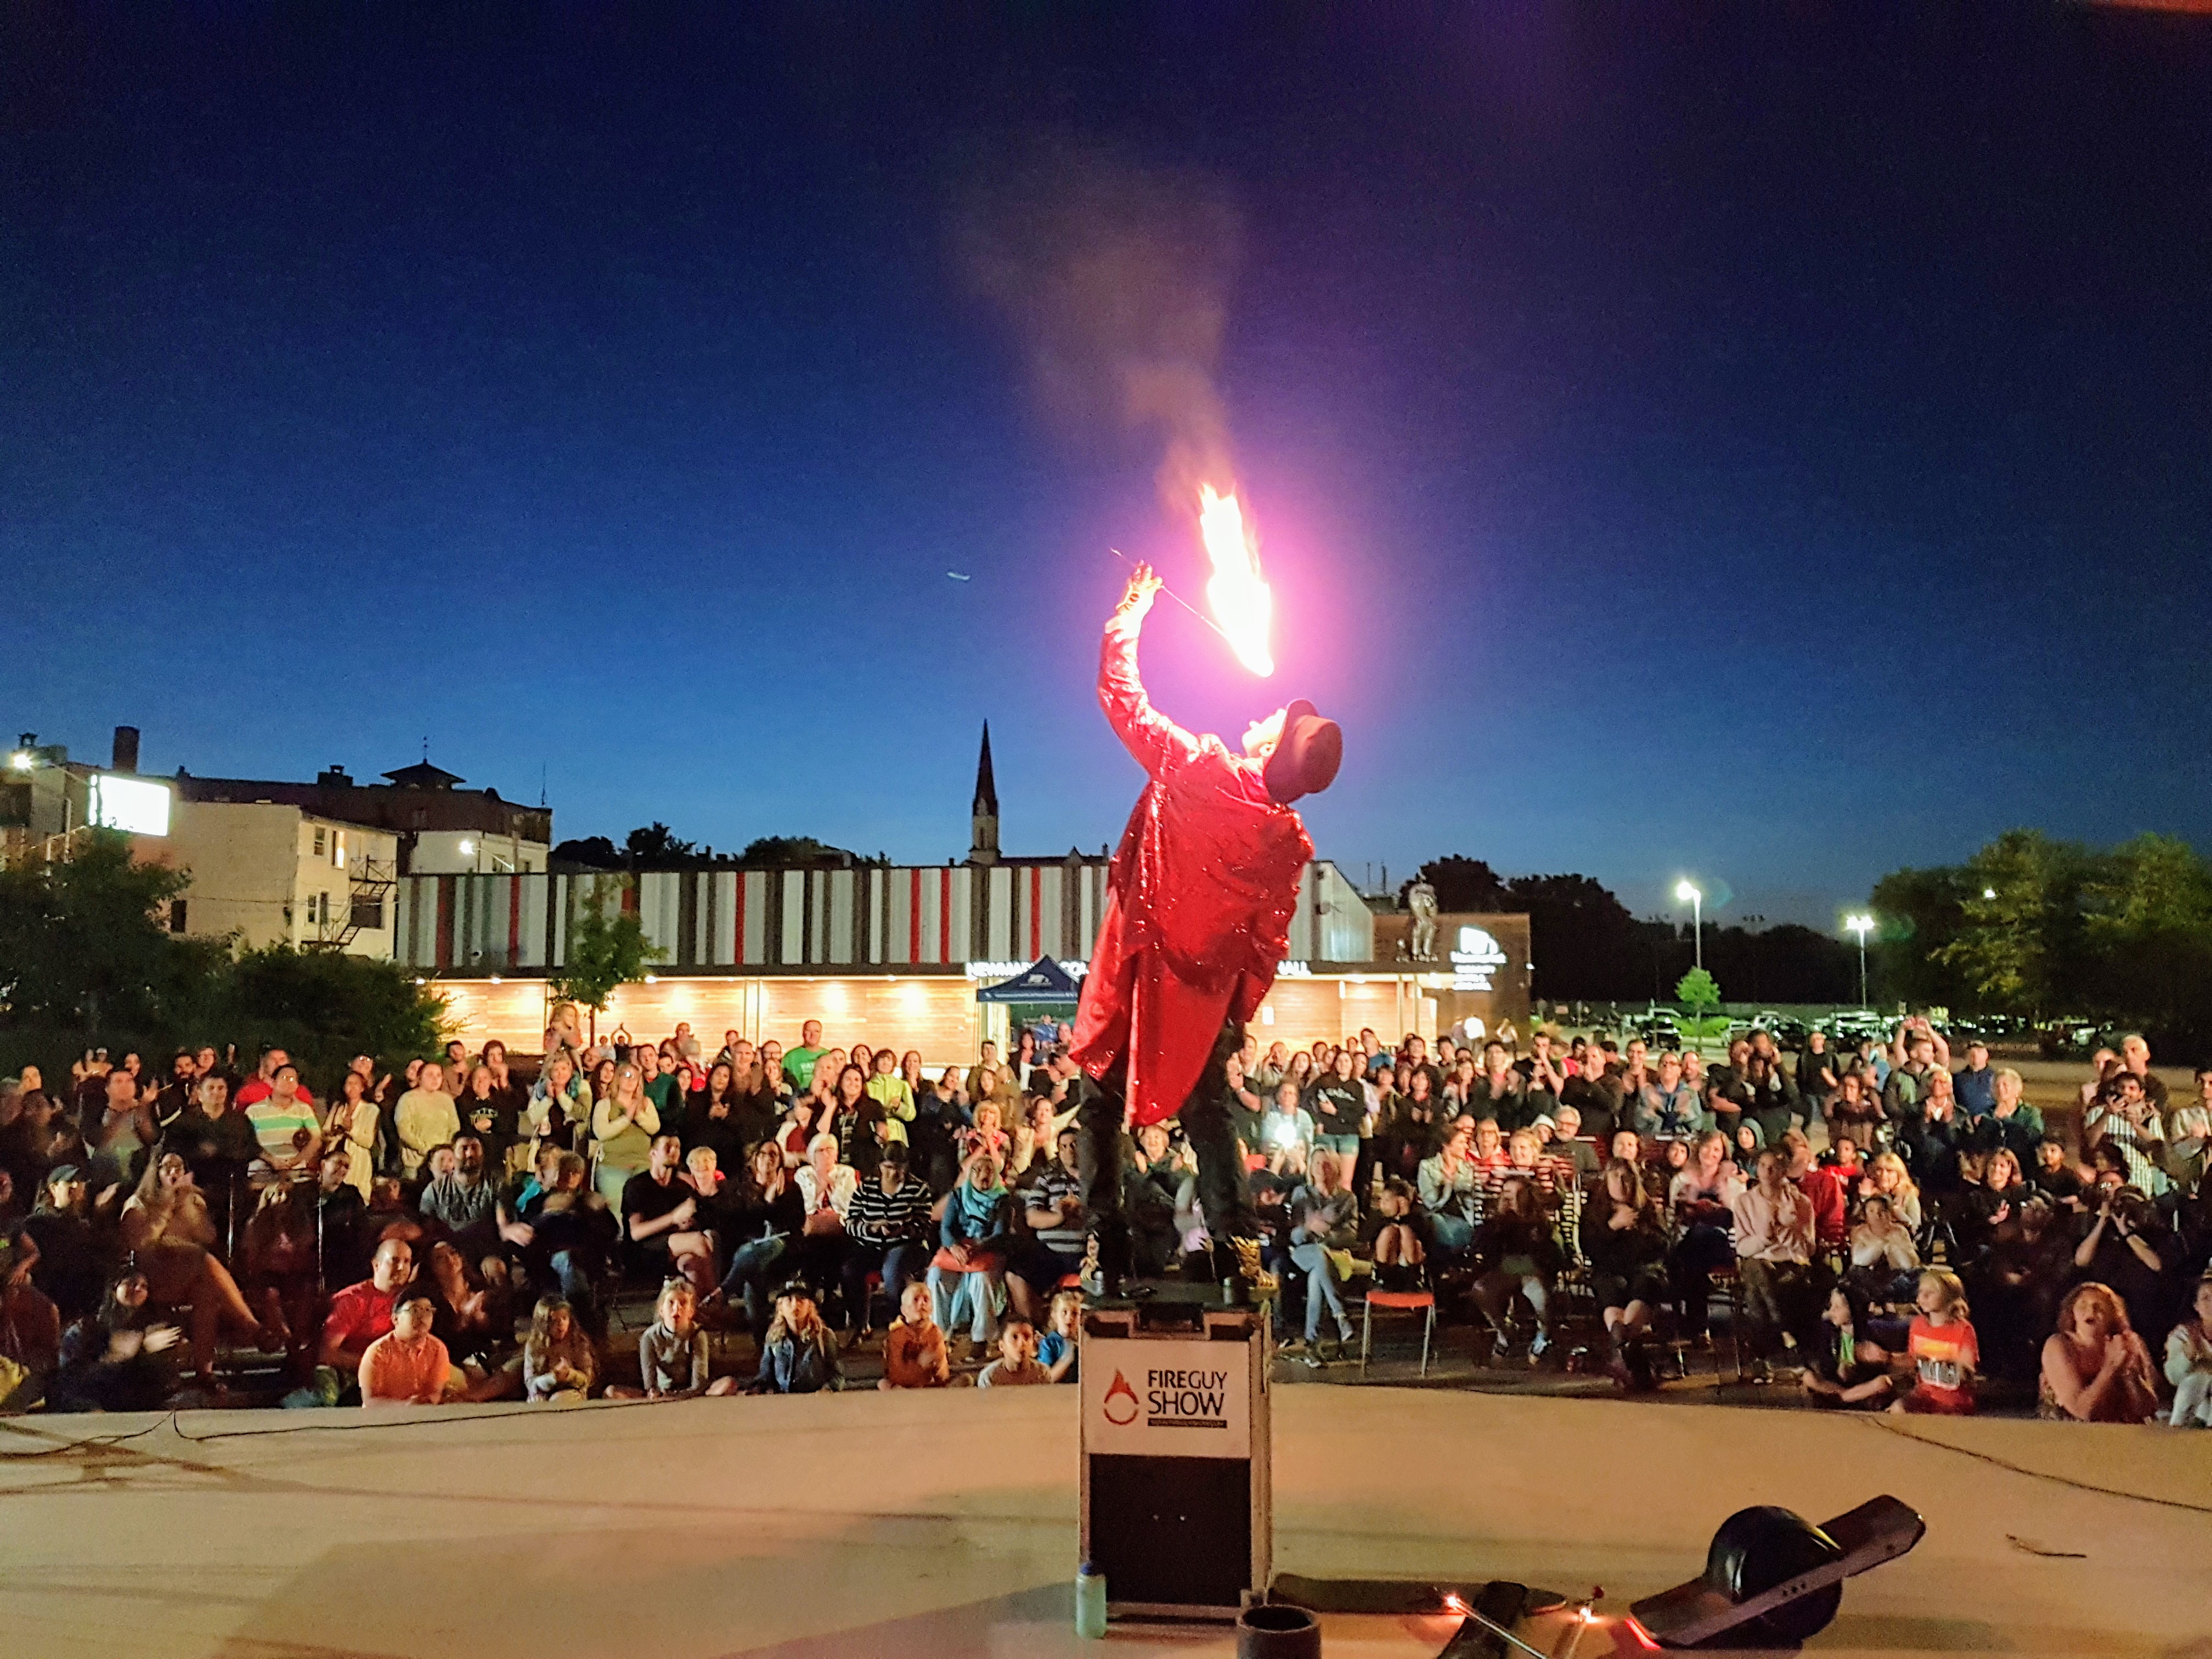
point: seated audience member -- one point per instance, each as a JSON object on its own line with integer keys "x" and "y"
{"x": 1888, "y": 1176}
{"x": 407, "y": 1365}
{"x": 166, "y": 1228}
{"x": 1946, "y": 1353}
{"x": 2128, "y": 1248}
{"x": 826, "y": 1186}
{"x": 475, "y": 1322}
{"x": 560, "y": 1109}
{"x": 672, "y": 1354}
{"x": 1515, "y": 1251}
{"x": 30, "y": 1324}
{"x": 2055, "y": 1174}
{"x": 887, "y": 1230}
{"x": 2189, "y": 1363}
{"x": 352, "y": 1126}
{"x": 464, "y": 1204}
{"x": 1053, "y": 1208}
{"x": 1450, "y": 1192}
{"x": 359, "y": 1316}
{"x": 1058, "y": 1347}
{"x": 913, "y": 1350}
{"x": 2096, "y": 1368}
{"x": 1822, "y": 1188}
{"x": 573, "y": 1236}
{"x": 798, "y": 1355}
{"x": 74, "y": 1252}
{"x": 1883, "y": 1258}
{"x": 1017, "y": 1364}
{"x": 217, "y": 1143}
{"x": 659, "y": 1213}
{"x": 766, "y": 1213}
{"x": 1578, "y": 1155}
{"x": 1324, "y": 1216}
{"x": 974, "y": 1237}
{"x": 1623, "y": 1238}
{"x": 1701, "y": 1197}
{"x": 116, "y": 1359}
{"x": 1400, "y": 1256}
{"x": 558, "y": 1361}
{"x": 1774, "y": 1254}
{"x": 1287, "y": 1131}
{"x": 1847, "y": 1369}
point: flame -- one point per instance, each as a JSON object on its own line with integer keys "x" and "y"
{"x": 1242, "y": 604}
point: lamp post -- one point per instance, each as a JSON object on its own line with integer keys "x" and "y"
{"x": 1861, "y": 925}
{"x": 1686, "y": 891}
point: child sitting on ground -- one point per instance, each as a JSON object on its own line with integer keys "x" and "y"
{"x": 2189, "y": 1363}
{"x": 672, "y": 1354}
{"x": 1017, "y": 1364}
{"x": 407, "y": 1365}
{"x": 1945, "y": 1352}
{"x": 913, "y": 1350}
{"x": 1057, "y": 1348}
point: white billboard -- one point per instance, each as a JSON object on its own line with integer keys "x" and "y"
{"x": 131, "y": 805}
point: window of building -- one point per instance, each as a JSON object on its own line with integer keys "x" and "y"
{"x": 176, "y": 915}
{"x": 319, "y": 841}
{"x": 337, "y": 849}
{"x": 368, "y": 913}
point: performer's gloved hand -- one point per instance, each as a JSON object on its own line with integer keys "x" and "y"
{"x": 1137, "y": 598}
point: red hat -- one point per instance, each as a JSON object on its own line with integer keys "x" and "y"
{"x": 1306, "y": 756}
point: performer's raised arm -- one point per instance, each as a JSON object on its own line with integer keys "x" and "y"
{"x": 1149, "y": 735}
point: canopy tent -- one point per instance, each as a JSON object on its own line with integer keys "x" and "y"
{"x": 1043, "y": 984}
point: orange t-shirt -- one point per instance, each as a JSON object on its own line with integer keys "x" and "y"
{"x": 394, "y": 1375}
{"x": 1942, "y": 1358}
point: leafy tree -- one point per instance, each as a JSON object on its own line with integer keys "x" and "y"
{"x": 2017, "y": 944}
{"x": 325, "y": 1007}
{"x": 1462, "y": 884}
{"x": 793, "y": 850}
{"x": 605, "y": 952}
{"x": 2147, "y": 919}
{"x": 1918, "y": 913}
{"x": 657, "y": 843}
{"x": 84, "y": 945}
{"x": 1700, "y": 994}
{"x": 595, "y": 852}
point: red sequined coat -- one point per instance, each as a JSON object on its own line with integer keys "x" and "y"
{"x": 1199, "y": 898}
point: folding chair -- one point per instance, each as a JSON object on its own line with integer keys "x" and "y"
{"x": 1424, "y": 1302}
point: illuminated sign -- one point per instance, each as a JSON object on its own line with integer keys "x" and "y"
{"x": 1292, "y": 970}
{"x": 1073, "y": 968}
{"x": 131, "y": 805}
{"x": 1478, "y": 957}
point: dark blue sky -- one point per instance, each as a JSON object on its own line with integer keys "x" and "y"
{"x": 1772, "y": 443}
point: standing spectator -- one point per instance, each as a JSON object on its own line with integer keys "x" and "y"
{"x": 1975, "y": 1088}
{"x": 1336, "y": 1102}
{"x": 263, "y": 1082}
{"x": 218, "y": 1144}
{"x": 799, "y": 1064}
{"x": 1918, "y": 1053}
{"x": 2134, "y": 1060}
{"x": 352, "y": 1124}
{"x": 1817, "y": 1077}
{"x": 487, "y": 1114}
{"x": 2096, "y": 1368}
{"x": 624, "y": 1125}
{"x": 424, "y": 1117}
{"x": 1946, "y": 1353}
{"x": 284, "y": 1123}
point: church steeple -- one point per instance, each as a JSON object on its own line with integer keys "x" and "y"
{"x": 983, "y": 840}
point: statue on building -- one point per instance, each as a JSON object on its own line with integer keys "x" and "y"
{"x": 1421, "y": 901}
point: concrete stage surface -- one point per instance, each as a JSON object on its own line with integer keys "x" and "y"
{"x": 945, "y": 1524}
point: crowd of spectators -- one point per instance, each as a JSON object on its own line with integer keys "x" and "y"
{"x": 1893, "y": 1223}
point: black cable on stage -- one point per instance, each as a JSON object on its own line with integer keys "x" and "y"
{"x": 2036, "y": 1475}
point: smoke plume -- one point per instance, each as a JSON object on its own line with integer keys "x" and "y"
{"x": 1116, "y": 278}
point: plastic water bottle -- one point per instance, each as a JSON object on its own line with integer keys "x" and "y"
{"x": 1089, "y": 1603}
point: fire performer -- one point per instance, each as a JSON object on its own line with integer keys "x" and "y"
{"x": 1198, "y": 912}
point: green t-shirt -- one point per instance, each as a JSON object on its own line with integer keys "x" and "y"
{"x": 799, "y": 1066}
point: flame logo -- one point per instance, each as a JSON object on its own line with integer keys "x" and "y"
{"x": 1120, "y": 1404}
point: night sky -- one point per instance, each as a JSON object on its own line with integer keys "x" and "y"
{"x": 1771, "y": 443}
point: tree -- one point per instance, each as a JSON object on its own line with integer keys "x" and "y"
{"x": 594, "y": 851}
{"x": 1582, "y": 937}
{"x": 1699, "y": 992}
{"x": 604, "y": 952}
{"x": 1918, "y": 913}
{"x": 325, "y": 1007}
{"x": 2147, "y": 921}
{"x": 793, "y": 850}
{"x": 657, "y": 843}
{"x": 2017, "y": 944}
{"x": 1462, "y": 884}
{"x": 84, "y": 945}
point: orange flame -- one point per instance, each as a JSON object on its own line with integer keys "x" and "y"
{"x": 1242, "y": 604}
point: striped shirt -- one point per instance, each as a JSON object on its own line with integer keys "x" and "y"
{"x": 274, "y": 1126}
{"x": 876, "y": 1217}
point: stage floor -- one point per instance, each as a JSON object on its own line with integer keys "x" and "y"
{"x": 889, "y": 1524}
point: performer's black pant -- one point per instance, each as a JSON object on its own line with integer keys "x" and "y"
{"x": 1103, "y": 1158}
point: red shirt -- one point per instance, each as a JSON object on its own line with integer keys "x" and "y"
{"x": 1830, "y": 1223}
{"x": 360, "y": 1314}
{"x": 1944, "y": 1357}
{"x": 257, "y": 1090}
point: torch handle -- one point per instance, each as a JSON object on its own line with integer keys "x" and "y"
{"x": 1176, "y": 597}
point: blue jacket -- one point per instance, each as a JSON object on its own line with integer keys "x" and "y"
{"x": 973, "y": 1216}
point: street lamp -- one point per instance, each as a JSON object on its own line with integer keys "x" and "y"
{"x": 1688, "y": 892}
{"x": 1861, "y": 925}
